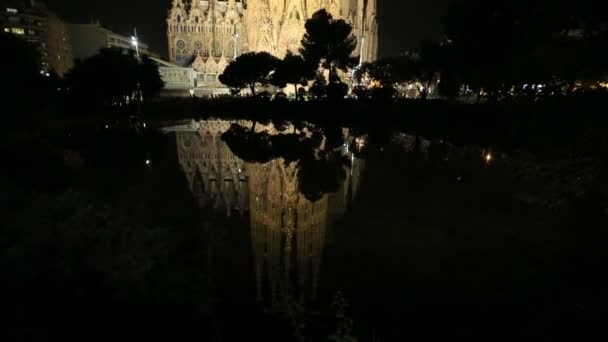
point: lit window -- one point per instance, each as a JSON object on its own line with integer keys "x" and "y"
{"x": 17, "y": 30}
{"x": 11, "y": 10}
{"x": 6, "y": 29}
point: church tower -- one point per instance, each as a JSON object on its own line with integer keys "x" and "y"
{"x": 261, "y": 26}
{"x": 370, "y": 48}
{"x": 292, "y": 28}
{"x": 177, "y": 32}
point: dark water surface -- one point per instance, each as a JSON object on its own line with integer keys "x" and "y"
{"x": 189, "y": 234}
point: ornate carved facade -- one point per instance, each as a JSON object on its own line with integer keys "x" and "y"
{"x": 208, "y": 34}
{"x": 288, "y": 232}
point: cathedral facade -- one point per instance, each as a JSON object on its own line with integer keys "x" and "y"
{"x": 208, "y": 34}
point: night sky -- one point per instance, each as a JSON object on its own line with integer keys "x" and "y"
{"x": 403, "y": 23}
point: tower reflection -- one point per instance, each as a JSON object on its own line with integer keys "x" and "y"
{"x": 288, "y": 231}
{"x": 217, "y": 178}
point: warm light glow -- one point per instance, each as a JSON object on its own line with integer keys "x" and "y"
{"x": 12, "y": 10}
{"x": 148, "y": 162}
{"x": 134, "y": 41}
{"x": 18, "y": 30}
{"x": 375, "y": 84}
{"x": 7, "y": 30}
{"x": 488, "y": 157}
{"x": 360, "y": 143}
{"x": 604, "y": 85}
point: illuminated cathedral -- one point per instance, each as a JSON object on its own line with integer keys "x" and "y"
{"x": 208, "y": 34}
{"x": 288, "y": 231}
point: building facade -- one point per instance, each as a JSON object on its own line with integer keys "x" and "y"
{"x": 208, "y": 34}
{"x": 43, "y": 29}
{"x": 88, "y": 39}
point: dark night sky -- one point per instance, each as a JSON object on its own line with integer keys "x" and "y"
{"x": 403, "y": 23}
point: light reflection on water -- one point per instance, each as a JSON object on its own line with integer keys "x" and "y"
{"x": 287, "y": 230}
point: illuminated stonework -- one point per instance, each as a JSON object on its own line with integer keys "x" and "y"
{"x": 213, "y": 32}
{"x": 217, "y": 178}
{"x": 288, "y": 232}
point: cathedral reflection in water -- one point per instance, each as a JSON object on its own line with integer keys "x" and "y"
{"x": 288, "y": 232}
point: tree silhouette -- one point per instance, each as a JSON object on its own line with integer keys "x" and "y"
{"x": 150, "y": 81}
{"x": 24, "y": 61}
{"x": 292, "y": 70}
{"x": 320, "y": 170}
{"x": 94, "y": 81}
{"x": 249, "y": 70}
{"x": 319, "y": 87}
{"x": 328, "y": 42}
{"x": 410, "y": 68}
{"x": 21, "y": 77}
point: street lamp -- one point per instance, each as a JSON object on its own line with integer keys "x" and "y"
{"x": 135, "y": 43}
{"x": 191, "y": 92}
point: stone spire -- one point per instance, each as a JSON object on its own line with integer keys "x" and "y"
{"x": 177, "y": 9}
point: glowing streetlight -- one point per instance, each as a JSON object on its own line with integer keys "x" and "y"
{"x": 135, "y": 43}
{"x": 488, "y": 157}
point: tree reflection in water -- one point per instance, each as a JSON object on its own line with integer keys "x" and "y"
{"x": 320, "y": 160}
